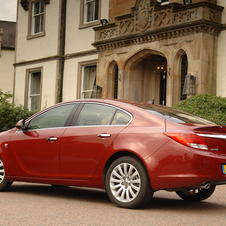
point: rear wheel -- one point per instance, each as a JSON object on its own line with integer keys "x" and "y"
{"x": 127, "y": 183}
{"x": 4, "y": 184}
{"x": 196, "y": 194}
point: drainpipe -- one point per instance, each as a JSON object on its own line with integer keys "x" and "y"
{"x": 1, "y": 34}
{"x": 62, "y": 49}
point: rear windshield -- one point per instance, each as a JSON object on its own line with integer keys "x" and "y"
{"x": 176, "y": 115}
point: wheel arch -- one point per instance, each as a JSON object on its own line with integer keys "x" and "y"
{"x": 119, "y": 155}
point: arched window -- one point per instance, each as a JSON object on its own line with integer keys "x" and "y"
{"x": 184, "y": 71}
{"x": 116, "y": 83}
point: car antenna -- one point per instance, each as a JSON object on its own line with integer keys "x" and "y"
{"x": 151, "y": 101}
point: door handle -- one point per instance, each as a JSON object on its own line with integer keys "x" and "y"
{"x": 51, "y": 139}
{"x": 104, "y": 135}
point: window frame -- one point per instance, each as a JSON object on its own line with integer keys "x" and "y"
{"x": 79, "y": 110}
{"x": 31, "y": 33}
{"x": 83, "y": 23}
{"x": 28, "y": 84}
{"x": 49, "y": 110}
{"x": 81, "y": 67}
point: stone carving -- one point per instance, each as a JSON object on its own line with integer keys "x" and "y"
{"x": 143, "y": 16}
{"x": 185, "y": 16}
{"x": 108, "y": 33}
{"x": 160, "y": 36}
{"x": 130, "y": 29}
{"x": 126, "y": 27}
{"x": 213, "y": 15}
{"x": 162, "y": 18}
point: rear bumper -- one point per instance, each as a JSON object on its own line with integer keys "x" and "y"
{"x": 176, "y": 166}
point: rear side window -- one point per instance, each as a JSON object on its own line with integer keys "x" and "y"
{"x": 121, "y": 118}
{"x": 95, "y": 114}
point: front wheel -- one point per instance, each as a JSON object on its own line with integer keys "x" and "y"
{"x": 4, "y": 184}
{"x": 196, "y": 194}
{"x": 127, "y": 183}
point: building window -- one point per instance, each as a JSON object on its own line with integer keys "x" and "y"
{"x": 116, "y": 83}
{"x": 33, "y": 89}
{"x": 184, "y": 72}
{"x": 90, "y": 13}
{"x": 37, "y": 17}
{"x": 163, "y": 2}
{"x": 89, "y": 81}
{"x": 36, "y": 21}
{"x": 91, "y": 10}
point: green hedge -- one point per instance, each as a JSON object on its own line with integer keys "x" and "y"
{"x": 9, "y": 113}
{"x": 211, "y": 107}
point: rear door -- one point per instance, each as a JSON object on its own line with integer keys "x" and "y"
{"x": 84, "y": 144}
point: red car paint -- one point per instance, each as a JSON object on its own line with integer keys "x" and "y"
{"x": 80, "y": 157}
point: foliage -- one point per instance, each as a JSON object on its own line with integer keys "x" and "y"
{"x": 9, "y": 113}
{"x": 4, "y": 97}
{"x": 208, "y": 106}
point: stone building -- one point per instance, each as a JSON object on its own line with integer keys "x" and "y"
{"x": 147, "y": 49}
{"x": 143, "y": 51}
{"x": 55, "y": 59}
{"x": 7, "y": 55}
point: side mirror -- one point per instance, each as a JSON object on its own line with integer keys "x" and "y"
{"x": 21, "y": 124}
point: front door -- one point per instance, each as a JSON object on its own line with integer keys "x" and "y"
{"x": 35, "y": 152}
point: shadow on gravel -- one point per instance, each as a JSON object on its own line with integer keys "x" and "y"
{"x": 99, "y": 196}
{"x": 76, "y": 193}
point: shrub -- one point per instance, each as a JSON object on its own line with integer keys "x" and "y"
{"x": 9, "y": 113}
{"x": 208, "y": 106}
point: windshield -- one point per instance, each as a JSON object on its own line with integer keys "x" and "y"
{"x": 176, "y": 115}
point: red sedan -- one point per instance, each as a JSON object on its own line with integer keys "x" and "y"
{"x": 131, "y": 149}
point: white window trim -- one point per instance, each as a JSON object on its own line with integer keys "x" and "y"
{"x": 37, "y": 15}
{"x": 27, "y": 98}
{"x": 83, "y": 23}
{"x": 80, "y": 77}
{"x": 163, "y": 3}
{"x": 82, "y": 80}
{"x": 31, "y": 33}
{"x": 86, "y": 10}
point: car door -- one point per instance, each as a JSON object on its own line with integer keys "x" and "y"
{"x": 34, "y": 152}
{"x": 84, "y": 144}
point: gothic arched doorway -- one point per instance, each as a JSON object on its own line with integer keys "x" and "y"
{"x": 146, "y": 78}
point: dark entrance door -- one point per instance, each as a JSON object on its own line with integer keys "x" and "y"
{"x": 163, "y": 78}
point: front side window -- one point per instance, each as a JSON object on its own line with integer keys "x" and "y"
{"x": 52, "y": 118}
{"x": 37, "y": 17}
{"x": 89, "y": 81}
{"x": 91, "y": 10}
{"x": 34, "y": 91}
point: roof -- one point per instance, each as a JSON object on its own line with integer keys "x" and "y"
{"x": 9, "y": 30}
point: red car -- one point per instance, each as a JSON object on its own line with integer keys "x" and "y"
{"x": 130, "y": 149}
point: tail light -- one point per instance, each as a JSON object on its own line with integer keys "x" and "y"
{"x": 189, "y": 139}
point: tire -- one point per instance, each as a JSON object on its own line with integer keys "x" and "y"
{"x": 127, "y": 183}
{"x": 4, "y": 184}
{"x": 197, "y": 194}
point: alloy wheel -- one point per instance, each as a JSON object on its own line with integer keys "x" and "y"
{"x": 125, "y": 182}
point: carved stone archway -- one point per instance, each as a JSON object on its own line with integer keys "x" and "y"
{"x": 142, "y": 76}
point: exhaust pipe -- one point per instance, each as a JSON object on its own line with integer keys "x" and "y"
{"x": 205, "y": 186}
